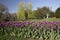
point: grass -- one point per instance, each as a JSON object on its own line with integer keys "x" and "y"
{"x": 51, "y": 19}
{"x": 46, "y": 19}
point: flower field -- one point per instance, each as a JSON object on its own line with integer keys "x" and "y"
{"x": 26, "y": 30}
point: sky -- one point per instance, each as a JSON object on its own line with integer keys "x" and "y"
{"x": 12, "y": 5}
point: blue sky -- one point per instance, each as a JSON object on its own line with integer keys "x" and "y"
{"x": 13, "y": 4}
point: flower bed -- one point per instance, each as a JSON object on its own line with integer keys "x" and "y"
{"x": 35, "y": 30}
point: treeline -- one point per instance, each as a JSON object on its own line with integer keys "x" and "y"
{"x": 25, "y": 12}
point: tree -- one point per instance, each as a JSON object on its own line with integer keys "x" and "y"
{"x": 13, "y": 17}
{"x": 38, "y": 14}
{"x": 52, "y": 14}
{"x": 24, "y": 11}
{"x": 3, "y": 11}
{"x": 26, "y": 14}
{"x": 7, "y": 17}
{"x": 57, "y": 13}
{"x": 28, "y": 9}
{"x": 20, "y": 12}
{"x": 42, "y": 12}
{"x": 46, "y": 11}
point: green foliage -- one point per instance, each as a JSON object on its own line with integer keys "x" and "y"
{"x": 28, "y": 9}
{"x": 42, "y": 12}
{"x": 28, "y": 6}
{"x": 57, "y": 13}
{"x": 13, "y": 17}
{"x": 38, "y": 14}
{"x": 23, "y": 11}
{"x": 20, "y": 12}
{"x": 31, "y": 15}
{"x": 3, "y": 11}
{"x": 52, "y": 14}
{"x": 26, "y": 32}
{"x": 26, "y": 15}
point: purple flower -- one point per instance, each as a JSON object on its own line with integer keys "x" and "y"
{"x": 54, "y": 22}
{"x": 44, "y": 22}
{"x": 58, "y": 28}
{"x": 54, "y": 28}
{"x": 0, "y": 24}
{"x": 28, "y": 23}
{"x": 33, "y": 25}
{"x": 47, "y": 28}
{"x": 37, "y": 26}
